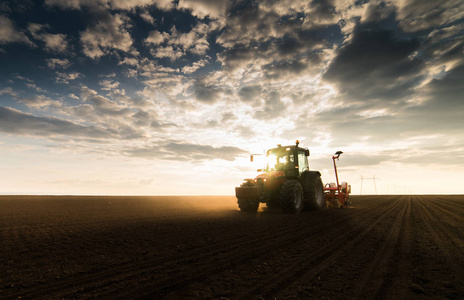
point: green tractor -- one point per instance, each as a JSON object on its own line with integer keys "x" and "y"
{"x": 286, "y": 183}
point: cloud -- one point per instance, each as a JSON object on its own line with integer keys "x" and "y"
{"x": 322, "y": 11}
{"x": 155, "y": 37}
{"x": 39, "y": 102}
{"x": 174, "y": 44}
{"x": 53, "y": 42}
{"x": 376, "y": 64}
{"x": 206, "y": 92}
{"x": 54, "y": 63}
{"x": 443, "y": 49}
{"x": 203, "y": 8}
{"x": 186, "y": 152}
{"x": 108, "y": 33}
{"x": 167, "y": 52}
{"x": 108, "y": 85}
{"x": 279, "y": 40}
{"x": 131, "y": 4}
{"x": 250, "y": 92}
{"x": 416, "y": 15}
{"x": 111, "y": 4}
{"x": 145, "y": 15}
{"x": 8, "y": 91}
{"x": 102, "y": 105}
{"x": 444, "y": 104}
{"x": 273, "y": 107}
{"x": 74, "y": 4}
{"x": 10, "y": 34}
{"x": 189, "y": 69}
{"x": 13, "y": 121}
{"x": 35, "y": 87}
{"x": 66, "y": 77}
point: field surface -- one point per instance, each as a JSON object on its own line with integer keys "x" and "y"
{"x": 384, "y": 247}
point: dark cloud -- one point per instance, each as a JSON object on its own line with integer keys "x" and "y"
{"x": 442, "y": 111}
{"x": 273, "y": 107}
{"x": 445, "y": 46}
{"x": 250, "y": 92}
{"x": 240, "y": 55}
{"x": 186, "y": 152}
{"x": 417, "y": 15}
{"x": 228, "y": 116}
{"x": 206, "y": 92}
{"x": 285, "y": 69}
{"x": 323, "y": 9}
{"x": 377, "y": 63}
{"x": 448, "y": 90}
{"x": 13, "y": 121}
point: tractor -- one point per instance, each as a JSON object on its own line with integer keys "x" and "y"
{"x": 286, "y": 183}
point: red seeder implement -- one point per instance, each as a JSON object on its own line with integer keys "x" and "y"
{"x": 337, "y": 195}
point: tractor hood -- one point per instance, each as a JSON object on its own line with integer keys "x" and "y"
{"x": 271, "y": 180}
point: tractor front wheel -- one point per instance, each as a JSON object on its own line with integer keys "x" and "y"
{"x": 247, "y": 205}
{"x": 291, "y": 196}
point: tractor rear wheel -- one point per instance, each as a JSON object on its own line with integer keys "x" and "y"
{"x": 291, "y": 196}
{"x": 313, "y": 190}
{"x": 247, "y": 205}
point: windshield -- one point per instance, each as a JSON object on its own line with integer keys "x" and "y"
{"x": 282, "y": 162}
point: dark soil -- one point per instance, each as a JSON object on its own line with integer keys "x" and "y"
{"x": 384, "y": 247}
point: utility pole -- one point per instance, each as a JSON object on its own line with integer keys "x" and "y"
{"x": 373, "y": 178}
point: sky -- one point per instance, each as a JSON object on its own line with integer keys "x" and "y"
{"x": 160, "y": 97}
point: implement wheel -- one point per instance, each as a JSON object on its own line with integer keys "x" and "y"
{"x": 291, "y": 196}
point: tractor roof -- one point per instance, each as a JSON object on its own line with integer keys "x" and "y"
{"x": 281, "y": 149}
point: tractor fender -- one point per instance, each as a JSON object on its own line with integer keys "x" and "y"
{"x": 313, "y": 173}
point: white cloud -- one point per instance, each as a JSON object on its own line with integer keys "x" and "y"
{"x": 145, "y": 15}
{"x": 174, "y": 44}
{"x": 103, "y": 105}
{"x": 10, "y": 34}
{"x": 156, "y": 38}
{"x": 53, "y": 63}
{"x": 108, "y": 85}
{"x": 202, "y": 8}
{"x": 194, "y": 67}
{"x": 167, "y": 52}
{"x": 110, "y": 32}
{"x": 129, "y": 61}
{"x": 53, "y": 42}
{"x": 66, "y": 77}
{"x": 73, "y": 96}
{"x": 39, "y": 102}
{"x": 8, "y": 91}
{"x": 35, "y": 87}
{"x": 130, "y": 4}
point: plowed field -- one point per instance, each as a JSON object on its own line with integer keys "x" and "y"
{"x": 384, "y": 247}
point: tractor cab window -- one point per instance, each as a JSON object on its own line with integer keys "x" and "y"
{"x": 302, "y": 163}
{"x": 280, "y": 162}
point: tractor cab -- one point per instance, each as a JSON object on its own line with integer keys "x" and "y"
{"x": 292, "y": 160}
